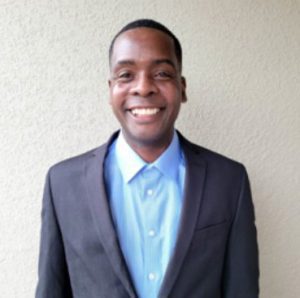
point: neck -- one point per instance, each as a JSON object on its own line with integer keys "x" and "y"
{"x": 149, "y": 152}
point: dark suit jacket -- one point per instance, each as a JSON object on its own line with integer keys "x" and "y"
{"x": 216, "y": 250}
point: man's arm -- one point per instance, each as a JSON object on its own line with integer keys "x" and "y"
{"x": 241, "y": 271}
{"x": 53, "y": 278}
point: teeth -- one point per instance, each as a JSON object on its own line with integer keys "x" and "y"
{"x": 141, "y": 112}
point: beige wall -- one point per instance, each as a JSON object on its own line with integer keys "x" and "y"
{"x": 241, "y": 60}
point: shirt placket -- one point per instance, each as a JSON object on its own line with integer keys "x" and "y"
{"x": 152, "y": 231}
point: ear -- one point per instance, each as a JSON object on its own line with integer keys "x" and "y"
{"x": 183, "y": 87}
{"x": 109, "y": 85}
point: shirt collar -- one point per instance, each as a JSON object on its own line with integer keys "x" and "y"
{"x": 131, "y": 163}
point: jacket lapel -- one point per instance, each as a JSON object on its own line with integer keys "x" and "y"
{"x": 102, "y": 216}
{"x": 193, "y": 190}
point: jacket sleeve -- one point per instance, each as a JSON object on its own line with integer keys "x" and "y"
{"x": 53, "y": 278}
{"x": 241, "y": 271}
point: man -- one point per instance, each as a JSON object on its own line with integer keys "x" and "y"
{"x": 147, "y": 214}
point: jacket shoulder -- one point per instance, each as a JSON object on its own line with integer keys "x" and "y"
{"x": 74, "y": 164}
{"x": 214, "y": 160}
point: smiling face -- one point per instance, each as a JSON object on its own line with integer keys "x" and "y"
{"x": 146, "y": 87}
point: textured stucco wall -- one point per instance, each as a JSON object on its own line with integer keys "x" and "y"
{"x": 241, "y": 60}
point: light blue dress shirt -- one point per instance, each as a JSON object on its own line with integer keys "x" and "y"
{"x": 146, "y": 202}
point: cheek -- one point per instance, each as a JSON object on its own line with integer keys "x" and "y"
{"x": 114, "y": 96}
{"x": 171, "y": 91}
{"x": 118, "y": 92}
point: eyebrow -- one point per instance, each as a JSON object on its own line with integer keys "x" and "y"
{"x": 125, "y": 62}
{"x": 155, "y": 62}
{"x": 165, "y": 61}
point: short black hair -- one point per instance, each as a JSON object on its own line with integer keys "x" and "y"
{"x": 148, "y": 23}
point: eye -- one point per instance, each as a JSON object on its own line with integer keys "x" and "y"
{"x": 163, "y": 74}
{"x": 124, "y": 76}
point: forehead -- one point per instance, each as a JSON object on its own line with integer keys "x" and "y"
{"x": 142, "y": 44}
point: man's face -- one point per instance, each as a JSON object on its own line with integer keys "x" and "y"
{"x": 146, "y": 87}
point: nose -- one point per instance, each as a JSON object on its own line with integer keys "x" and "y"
{"x": 144, "y": 85}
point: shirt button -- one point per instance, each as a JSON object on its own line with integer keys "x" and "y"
{"x": 151, "y": 233}
{"x": 149, "y": 192}
{"x": 151, "y": 276}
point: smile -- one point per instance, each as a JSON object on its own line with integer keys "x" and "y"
{"x": 145, "y": 111}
